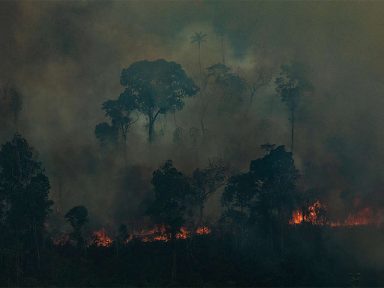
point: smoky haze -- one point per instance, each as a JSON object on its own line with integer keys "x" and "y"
{"x": 65, "y": 58}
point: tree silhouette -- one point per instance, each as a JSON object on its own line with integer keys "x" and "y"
{"x": 77, "y": 217}
{"x": 156, "y": 87}
{"x": 205, "y": 182}
{"x": 291, "y": 85}
{"x": 238, "y": 196}
{"x": 107, "y": 134}
{"x": 24, "y": 192}
{"x": 119, "y": 112}
{"x": 172, "y": 191}
{"x": 11, "y": 101}
{"x": 121, "y": 238}
{"x": 261, "y": 79}
{"x": 229, "y": 84}
{"x": 199, "y": 38}
{"x": 265, "y": 195}
{"x": 275, "y": 176}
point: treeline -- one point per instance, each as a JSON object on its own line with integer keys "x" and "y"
{"x": 252, "y": 244}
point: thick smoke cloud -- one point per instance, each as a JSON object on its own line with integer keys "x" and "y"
{"x": 66, "y": 57}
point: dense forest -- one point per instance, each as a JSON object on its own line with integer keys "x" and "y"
{"x": 200, "y": 143}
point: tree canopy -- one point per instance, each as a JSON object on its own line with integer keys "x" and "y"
{"x": 156, "y": 87}
{"x": 24, "y": 187}
{"x": 267, "y": 192}
{"x": 172, "y": 189}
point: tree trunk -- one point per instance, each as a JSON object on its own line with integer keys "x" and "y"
{"x": 125, "y": 150}
{"x": 292, "y": 127}
{"x": 37, "y": 245}
{"x": 201, "y": 215}
{"x": 151, "y": 130}
{"x": 174, "y": 258}
{"x": 200, "y": 62}
{"x": 222, "y": 49}
{"x": 202, "y": 126}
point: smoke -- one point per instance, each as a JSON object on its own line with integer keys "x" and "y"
{"x": 66, "y": 57}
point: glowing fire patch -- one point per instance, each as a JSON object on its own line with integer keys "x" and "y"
{"x": 203, "y": 230}
{"x": 160, "y": 234}
{"x": 312, "y": 215}
{"x": 101, "y": 239}
{"x": 297, "y": 217}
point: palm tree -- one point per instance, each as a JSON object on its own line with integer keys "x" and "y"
{"x": 199, "y": 38}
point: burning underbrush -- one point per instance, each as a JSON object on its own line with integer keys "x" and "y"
{"x": 316, "y": 214}
{"x": 101, "y": 238}
{"x": 313, "y": 214}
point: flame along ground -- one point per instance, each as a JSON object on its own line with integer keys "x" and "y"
{"x": 316, "y": 214}
{"x": 100, "y": 238}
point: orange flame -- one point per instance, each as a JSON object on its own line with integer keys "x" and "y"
{"x": 160, "y": 234}
{"x": 101, "y": 238}
{"x": 297, "y": 217}
{"x": 311, "y": 215}
{"x": 203, "y": 230}
{"x": 183, "y": 234}
{"x": 365, "y": 216}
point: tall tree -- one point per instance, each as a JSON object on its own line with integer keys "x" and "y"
{"x": 205, "y": 182}
{"x": 156, "y": 87}
{"x": 11, "y": 101}
{"x": 199, "y": 38}
{"x": 291, "y": 85}
{"x": 172, "y": 191}
{"x": 238, "y": 197}
{"x": 77, "y": 217}
{"x": 275, "y": 176}
{"x": 24, "y": 192}
{"x": 266, "y": 194}
{"x": 261, "y": 79}
{"x": 229, "y": 84}
{"x": 119, "y": 112}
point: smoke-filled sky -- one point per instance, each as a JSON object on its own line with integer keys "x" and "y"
{"x": 65, "y": 58}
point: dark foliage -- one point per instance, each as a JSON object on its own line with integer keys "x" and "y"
{"x": 156, "y": 87}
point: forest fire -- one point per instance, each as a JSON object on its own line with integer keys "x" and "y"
{"x": 312, "y": 214}
{"x": 203, "y": 230}
{"x": 160, "y": 234}
{"x": 315, "y": 214}
{"x": 100, "y": 238}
